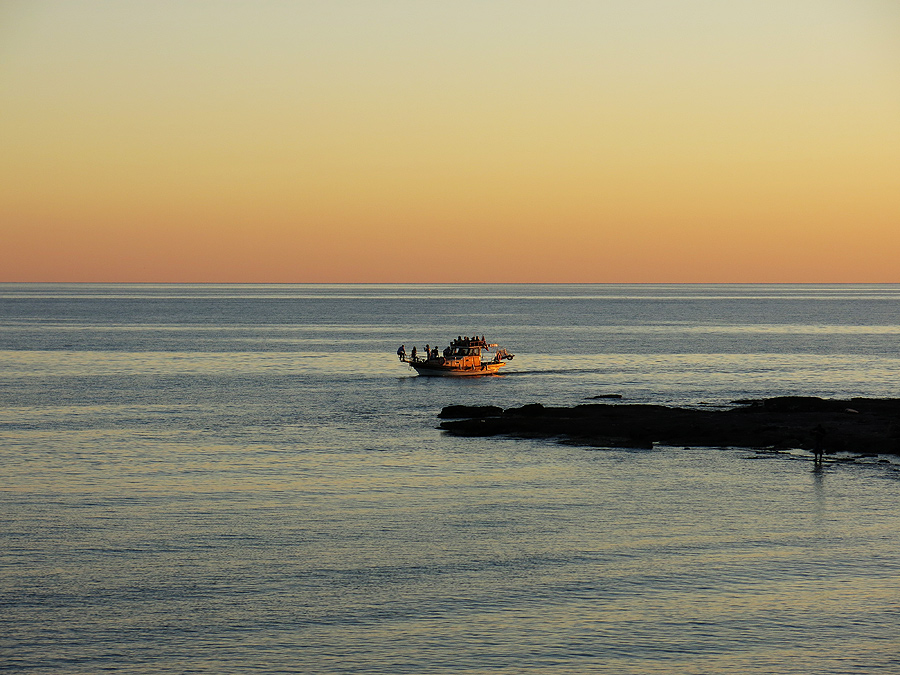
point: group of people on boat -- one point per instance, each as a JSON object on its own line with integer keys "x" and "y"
{"x": 460, "y": 347}
{"x": 467, "y": 341}
{"x": 429, "y": 353}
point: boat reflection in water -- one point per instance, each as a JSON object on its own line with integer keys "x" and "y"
{"x": 465, "y": 357}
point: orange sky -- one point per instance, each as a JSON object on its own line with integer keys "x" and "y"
{"x": 639, "y": 141}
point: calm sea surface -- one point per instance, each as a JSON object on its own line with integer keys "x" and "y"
{"x": 238, "y": 479}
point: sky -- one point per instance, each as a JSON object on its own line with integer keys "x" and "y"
{"x": 468, "y": 141}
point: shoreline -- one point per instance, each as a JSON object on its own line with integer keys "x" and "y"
{"x": 865, "y": 426}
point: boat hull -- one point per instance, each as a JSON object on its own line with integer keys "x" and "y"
{"x": 437, "y": 370}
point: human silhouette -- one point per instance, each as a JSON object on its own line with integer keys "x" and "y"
{"x": 819, "y": 434}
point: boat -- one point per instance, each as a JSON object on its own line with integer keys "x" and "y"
{"x": 465, "y": 357}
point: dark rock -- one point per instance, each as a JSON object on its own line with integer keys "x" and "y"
{"x": 802, "y": 404}
{"x": 783, "y": 422}
{"x": 470, "y": 411}
{"x": 530, "y": 410}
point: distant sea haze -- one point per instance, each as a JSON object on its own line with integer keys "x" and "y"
{"x": 229, "y": 478}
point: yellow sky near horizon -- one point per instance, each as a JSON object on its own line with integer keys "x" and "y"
{"x": 680, "y": 141}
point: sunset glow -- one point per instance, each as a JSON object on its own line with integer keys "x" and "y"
{"x": 640, "y": 141}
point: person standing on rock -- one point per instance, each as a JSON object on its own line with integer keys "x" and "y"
{"x": 818, "y": 443}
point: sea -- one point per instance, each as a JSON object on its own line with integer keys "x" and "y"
{"x": 245, "y": 479}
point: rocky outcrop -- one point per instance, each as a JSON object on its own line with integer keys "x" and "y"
{"x": 856, "y": 425}
{"x": 470, "y": 411}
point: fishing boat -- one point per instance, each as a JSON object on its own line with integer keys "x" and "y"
{"x": 465, "y": 357}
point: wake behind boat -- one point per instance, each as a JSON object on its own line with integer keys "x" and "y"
{"x": 464, "y": 357}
